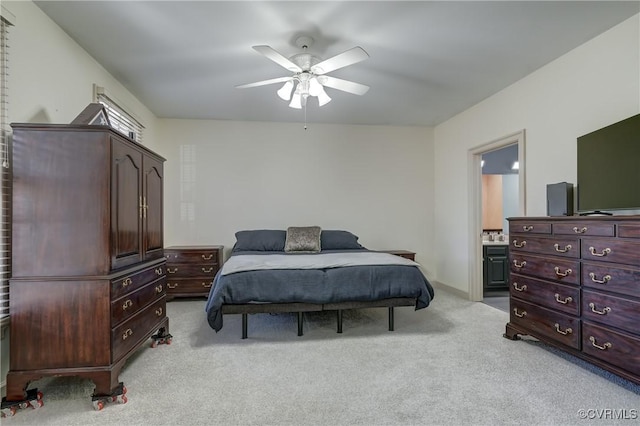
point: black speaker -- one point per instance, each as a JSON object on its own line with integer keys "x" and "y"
{"x": 560, "y": 199}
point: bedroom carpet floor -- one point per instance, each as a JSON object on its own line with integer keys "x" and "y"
{"x": 447, "y": 364}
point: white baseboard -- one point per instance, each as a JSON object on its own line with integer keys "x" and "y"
{"x": 463, "y": 294}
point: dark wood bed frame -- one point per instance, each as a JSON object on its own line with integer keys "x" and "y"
{"x": 300, "y": 308}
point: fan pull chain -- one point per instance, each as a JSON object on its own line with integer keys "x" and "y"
{"x": 305, "y": 116}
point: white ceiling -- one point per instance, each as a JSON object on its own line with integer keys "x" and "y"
{"x": 428, "y": 60}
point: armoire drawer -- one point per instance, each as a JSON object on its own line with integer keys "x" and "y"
{"x": 560, "y": 297}
{"x": 135, "y": 280}
{"x": 552, "y": 324}
{"x": 130, "y": 303}
{"x": 614, "y": 347}
{"x": 551, "y": 268}
{"x": 610, "y": 310}
{"x": 129, "y": 333}
{"x": 613, "y": 278}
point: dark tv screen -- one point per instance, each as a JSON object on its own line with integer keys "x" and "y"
{"x": 609, "y": 168}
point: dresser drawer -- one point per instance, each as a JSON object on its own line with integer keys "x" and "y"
{"x": 611, "y": 310}
{"x": 129, "y": 304}
{"x": 584, "y": 229}
{"x": 610, "y": 250}
{"x": 602, "y": 276}
{"x": 629, "y": 231}
{"x": 189, "y": 285}
{"x": 563, "y": 270}
{"x": 523, "y": 226}
{"x": 556, "y": 296}
{"x": 176, "y": 255}
{"x": 565, "y": 247}
{"x": 617, "y": 348}
{"x": 137, "y": 279}
{"x": 555, "y": 325}
{"x": 131, "y": 332}
{"x": 188, "y": 270}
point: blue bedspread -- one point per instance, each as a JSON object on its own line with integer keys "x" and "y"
{"x": 332, "y": 285}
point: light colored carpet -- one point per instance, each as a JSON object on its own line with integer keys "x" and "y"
{"x": 445, "y": 365}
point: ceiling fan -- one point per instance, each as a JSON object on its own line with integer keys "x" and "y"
{"x": 309, "y": 74}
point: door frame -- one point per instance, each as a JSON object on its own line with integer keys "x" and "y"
{"x": 474, "y": 156}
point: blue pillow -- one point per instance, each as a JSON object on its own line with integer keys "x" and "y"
{"x": 260, "y": 240}
{"x": 338, "y": 240}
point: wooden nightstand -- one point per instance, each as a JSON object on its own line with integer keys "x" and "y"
{"x": 402, "y": 253}
{"x": 190, "y": 270}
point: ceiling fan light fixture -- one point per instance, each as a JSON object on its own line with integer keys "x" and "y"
{"x": 323, "y": 98}
{"x": 314, "y": 86}
{"x": 296, "y": 101}
{"x": 285, "y": 90}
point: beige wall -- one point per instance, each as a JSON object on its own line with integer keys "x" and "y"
{"x": 375, "y": 181}
{"x": 590, "y": 87}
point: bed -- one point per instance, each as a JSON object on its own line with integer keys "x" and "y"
{"x": 305, "y": 269}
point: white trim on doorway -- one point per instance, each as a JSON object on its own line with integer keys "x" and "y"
{"x": 474, "y": 157}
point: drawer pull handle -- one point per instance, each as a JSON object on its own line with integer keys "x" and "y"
{"x": 604, "y": 347}
{"x": 519, "y": 245}
{"x": 519, "y": 315}
{"x": 207, "y": 269}
{"x": 565, "y": 301}
{"x": 604, "y": 310}
{"x": 172, "y": 286}
{"x": 562, "y": 274}
{"x": 204, "y": 257}
{"x": 559, "y": 250}
{"x": 127, "y": 333}
{"x": 159, "y": 311}
{"x": 127, "y": 304}
{"x": 519, "y": 265}
{"x": 565, "y": 332}
{"x": 172, "y": 271}
{"x": 579, "y": 230}
{"x": 126, "y": 282}
{"x": 523, "y": 288}
{"x": 159, "y": 288}
{"x": 527, "y": 228}
{"x": 604, "y": 252}
{"x": 206, "y": 285}
{"x": 158, "y": 271}
{"x": 604, "y": 279}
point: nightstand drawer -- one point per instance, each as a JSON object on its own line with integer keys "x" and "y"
{"x": 189, "y": 285}
{"x": 193, "y": 254}
{"x": 187, "y": 270}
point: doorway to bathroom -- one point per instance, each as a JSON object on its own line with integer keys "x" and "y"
{"x": 497, "y": 191}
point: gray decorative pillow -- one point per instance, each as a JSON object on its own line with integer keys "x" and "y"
{"x": 303, "y": 239}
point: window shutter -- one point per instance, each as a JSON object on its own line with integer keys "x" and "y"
{"x": 119, "y": 118}
{"x": 5, "y": 166}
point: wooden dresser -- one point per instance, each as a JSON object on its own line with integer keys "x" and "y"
{"x": 191, "y": 269}
{"x": 575, "y": 284}
{"x": 88, "y": 269}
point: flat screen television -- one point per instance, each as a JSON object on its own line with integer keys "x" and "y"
{"x": 609, "y": 168}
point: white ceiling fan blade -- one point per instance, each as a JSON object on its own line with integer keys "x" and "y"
{"x": 344, "y": 85}
{"x": 341, "y": 60}
{"x": 276, "y": 57}
{"x": 264, "y": 82}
